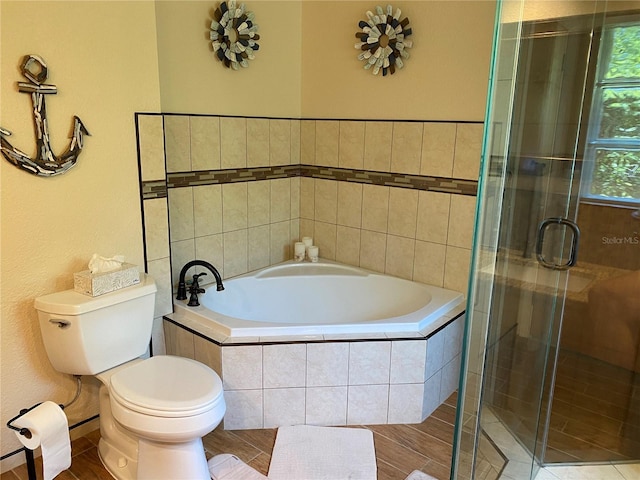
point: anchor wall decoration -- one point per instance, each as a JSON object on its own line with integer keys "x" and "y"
{"x": 45, "y": 163}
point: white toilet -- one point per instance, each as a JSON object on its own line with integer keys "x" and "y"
{"x": 153, "y": 412}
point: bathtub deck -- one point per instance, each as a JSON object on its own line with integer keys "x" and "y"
{"x": 400, "y": 449}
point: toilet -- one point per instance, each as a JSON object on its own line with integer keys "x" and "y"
{"x": 153, "y": 411}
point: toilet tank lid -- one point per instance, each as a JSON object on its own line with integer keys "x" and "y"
{"x": 70, "y": 302}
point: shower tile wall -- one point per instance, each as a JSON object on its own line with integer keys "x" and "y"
{"x": 241, "y": 226}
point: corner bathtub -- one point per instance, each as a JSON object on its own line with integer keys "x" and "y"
{"x": 318, "y": 301}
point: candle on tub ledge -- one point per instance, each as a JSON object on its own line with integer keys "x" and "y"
{"x": 312, "y": 252}
{"x": 299, "y": 251}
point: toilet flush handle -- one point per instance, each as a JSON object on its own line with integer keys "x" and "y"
{"x": 60, "y": 323}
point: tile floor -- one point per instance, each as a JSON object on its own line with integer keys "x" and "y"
{"x": 619, "y": 471}
{"x": 595, "y": 414}
{"x": 518, "y": 463}
{"x": 400, "y": 449}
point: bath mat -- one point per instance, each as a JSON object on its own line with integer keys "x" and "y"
{"x": 305, "y": 452}
{"x": 229, "y": 467}
{"x": 418, "y": 475}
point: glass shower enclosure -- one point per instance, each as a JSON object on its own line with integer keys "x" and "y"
{"x": 551, "y": 373}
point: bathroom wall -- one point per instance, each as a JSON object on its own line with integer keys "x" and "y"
{"x": 418, "y": 234}
{"x": 609, "y": 236}
{"x": 238, "y": 224}
{"x": 442, "y": 94}
{"x": 307, "y": 66}
{"x": 102, "y": 57}
{"x": 193, "y": 80}
{"x": 394, "y": 197}
{"x": 445, "y": 77}
{"x": 111, "y": 59}
{"x": 543, "y": 9}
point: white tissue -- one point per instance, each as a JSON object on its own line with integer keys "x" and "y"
{"x": 50, "y": 430}
{"x": 100, "y": 264}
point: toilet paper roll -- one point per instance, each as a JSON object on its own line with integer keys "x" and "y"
{"x": 50, "y": 430}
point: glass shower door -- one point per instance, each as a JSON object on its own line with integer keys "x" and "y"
{"x": 551, "y": 366}
{"x": 595, "y": 410}
{"x": 538, "y": 239}
{"x": 526, "y": 239}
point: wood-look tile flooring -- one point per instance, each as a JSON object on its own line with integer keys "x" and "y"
{"x": 595, "y": 410}
{"x": 400, "y": 449}
{"x": 595, "y": 414}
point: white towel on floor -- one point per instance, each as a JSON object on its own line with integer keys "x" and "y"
{"x": 229, "y": 467}
{"x": 418, "y": 475}
{"x": 305, "y": 452}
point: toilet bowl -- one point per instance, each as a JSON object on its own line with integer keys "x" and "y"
{"x": 163, "y": 405}
{"x": 154, "y": 411}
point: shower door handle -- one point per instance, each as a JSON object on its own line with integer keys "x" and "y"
{"x": 573, "y": 253}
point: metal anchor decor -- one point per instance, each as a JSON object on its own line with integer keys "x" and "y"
{"x": 46, "y": 163}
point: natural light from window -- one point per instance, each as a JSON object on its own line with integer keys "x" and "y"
{"x": 612, "y": 157}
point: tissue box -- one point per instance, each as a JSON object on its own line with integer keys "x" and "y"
{"x": 95, "y": 284}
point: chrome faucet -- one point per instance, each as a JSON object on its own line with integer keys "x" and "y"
{"x": 194, "y": 288}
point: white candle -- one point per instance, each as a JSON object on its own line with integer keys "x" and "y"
{"x": 312, "y": 252}
{"x": 308, "y": 241}
{"x": 299, "y": 251}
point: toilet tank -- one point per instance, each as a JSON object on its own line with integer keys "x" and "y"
{"x": 86, "y": 335}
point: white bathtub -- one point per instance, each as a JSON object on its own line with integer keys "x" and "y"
{"x": 318, "y": 300}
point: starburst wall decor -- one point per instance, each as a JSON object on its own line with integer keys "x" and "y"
{"x": 383, "y": 40}
{"x": 234, "y": 35}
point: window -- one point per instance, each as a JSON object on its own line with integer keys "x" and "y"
{"x": 612, "y": 157}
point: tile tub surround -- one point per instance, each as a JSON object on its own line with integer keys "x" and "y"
{"x": 332, "y": 382}
{"x": 375, "y": 194}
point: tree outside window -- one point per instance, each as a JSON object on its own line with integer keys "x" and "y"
{"x": 613, "y": 152}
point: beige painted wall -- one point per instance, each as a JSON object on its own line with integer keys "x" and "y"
{"x": 193, "y": 80}
{"x": 515, "y": 10}
{"x": 444, "y": 79}
{"x": 102, "y": 57}
{"x": 307, "y": 65}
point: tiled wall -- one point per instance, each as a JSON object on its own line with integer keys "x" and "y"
{"x": 329, "y": 383}
{"x": 418, "y": 226}
{"x": 414, "y": 234}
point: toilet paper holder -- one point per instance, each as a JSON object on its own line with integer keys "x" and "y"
{"x": 25, "y": 431}
{"x": 31, "y": 464}
{"x": 28, "y": 453}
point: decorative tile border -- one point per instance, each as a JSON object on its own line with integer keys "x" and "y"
{"x": 158, "y": 188}
{"x": 210, "y": 177}
{"x": 401, "y": 180}
{"x": 154, "y": 189}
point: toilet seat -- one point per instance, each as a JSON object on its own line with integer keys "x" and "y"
{"x": 166, "y": 386}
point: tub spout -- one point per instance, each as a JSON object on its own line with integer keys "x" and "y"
{"x": 182, "y": 286}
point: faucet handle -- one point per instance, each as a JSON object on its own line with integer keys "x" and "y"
{"x": 197, "y": 276}
{"x": 194, "y": 290}
{"x": 195, "y": 284}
